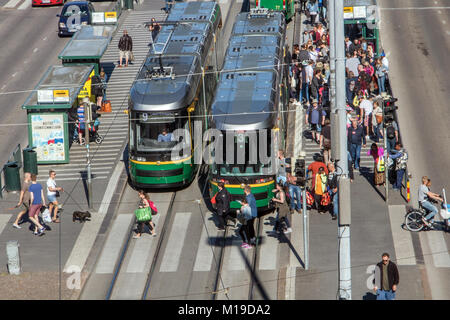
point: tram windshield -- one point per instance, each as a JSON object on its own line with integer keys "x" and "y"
{"x": 248, "y": 160}
{"x": 154, "y": 132}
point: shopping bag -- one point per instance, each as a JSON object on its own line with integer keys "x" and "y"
{"x": 131, "y": 56}
{"x": 143, "y": 214}
{"x": 46, "y": 216}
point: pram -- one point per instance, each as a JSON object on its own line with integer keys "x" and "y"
{"x": 93, "y": 133}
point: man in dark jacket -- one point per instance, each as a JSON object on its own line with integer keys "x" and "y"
{"x": 223, "y": 199}
{"x": 125, "y": 47}
{"x": 386, "y": 279}
{"x": 354, "y": 135}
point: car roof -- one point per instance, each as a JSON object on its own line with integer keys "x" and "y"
{"x": 76, "y": 2}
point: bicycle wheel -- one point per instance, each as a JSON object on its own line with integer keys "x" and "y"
{"x": 413, "y": 221}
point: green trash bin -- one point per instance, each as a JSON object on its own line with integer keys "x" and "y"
{"x": 30, "y": 161}
{"x": 12, "y": 176}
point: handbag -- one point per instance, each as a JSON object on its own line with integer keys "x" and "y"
{"x": 143, "y": 214}
{"x": 379, "y": 118}
{"x": 131, "y": 56}
{"x": 106, "y": 106}
{"x": 46, "y": 216}
{"x": 213, "y": 199}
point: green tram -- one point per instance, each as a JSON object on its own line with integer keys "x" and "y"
{"x": 172, "y": 89}
{"x": 285, "y": 6}
{"x": 249, "y": 108}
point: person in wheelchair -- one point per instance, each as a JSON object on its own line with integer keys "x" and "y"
{"x": 426, "y": 197}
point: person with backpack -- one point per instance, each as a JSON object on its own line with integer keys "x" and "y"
{"x": 400, "y": 156}
{"x": 145, "y": 202}
{"x": 315, "y": 117}
{"x": 378, "y": 164}
{"x": 391, "y": 135}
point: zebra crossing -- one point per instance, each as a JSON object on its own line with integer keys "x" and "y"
{"x": 113, "y": 126}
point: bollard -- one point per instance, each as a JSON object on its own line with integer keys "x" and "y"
{"x": 12, "y": 252}
{"x": 12, "y": 177}
{"x": 30, "y": 161}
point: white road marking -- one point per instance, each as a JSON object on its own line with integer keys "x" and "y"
{"x": 174, "y": 246}
{"x": 14, "y": 74}
{"x": 404, "y": 250}
{"x": 113, "y": 244}
{"x": 235, "y": 261}
{"x": 88, "y": 233}
{"x": 45, "y": 38}
{"x": 269, "y": 249}
{"x": 11, "y": 3}
{"x": 444, "y": 22}
{"x": 415, "y": 8}
{"x": 439, "y": 250}
{"x": 4, "y": 219}
{"x": 204, "y": 258}
{"x": 25, "y": 5}
{"x": 35, "y": 49}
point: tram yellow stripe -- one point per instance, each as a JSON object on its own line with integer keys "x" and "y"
{"x": 161, "y": 162}
{"x": 239, "y": 186}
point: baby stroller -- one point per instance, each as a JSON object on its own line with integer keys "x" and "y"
{"x": 93, "y": 132}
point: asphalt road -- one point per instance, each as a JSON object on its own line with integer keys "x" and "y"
{"x": 416, "y": 36}
{"x": 30, "y": 44}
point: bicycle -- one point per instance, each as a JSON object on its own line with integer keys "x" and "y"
{"x": 414, "y": 217}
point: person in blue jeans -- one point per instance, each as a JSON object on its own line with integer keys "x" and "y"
{"x": 254, "y": 210}
{"x": 400, "y": 156}
{"x": 386, "y": 278}
{"x": 332, "y": 184}
{"x": 294, "y": 194}
{"x": 356, "y": 136}
{"x": 424, "y": 200}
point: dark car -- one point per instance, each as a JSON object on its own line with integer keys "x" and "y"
{"x": 73, "y": 15}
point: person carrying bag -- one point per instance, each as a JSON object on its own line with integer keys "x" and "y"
{"x": 144, "y": 214}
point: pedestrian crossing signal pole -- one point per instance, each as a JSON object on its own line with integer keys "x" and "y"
{"x": 88, "y": 119}
{"x": 344, "y": 212}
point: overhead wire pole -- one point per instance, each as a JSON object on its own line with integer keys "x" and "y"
{"x": 344, "y": 221}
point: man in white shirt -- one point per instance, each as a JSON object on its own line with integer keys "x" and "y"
{"x": 309, "y": 77}
{"x": 52, "y": 191}
{"x": 366, "y": 105}
{"x": 352, "y": 64}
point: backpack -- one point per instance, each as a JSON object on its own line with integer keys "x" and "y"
{"x": 96, "y": 85}
{"x": 390, "y": 132}
{"x": 319, "y": 109}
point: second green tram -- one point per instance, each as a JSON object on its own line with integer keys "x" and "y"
{"x": 249, "y": 108}
{"x": 285, "y": 6}
{"x": 171, "y": 91}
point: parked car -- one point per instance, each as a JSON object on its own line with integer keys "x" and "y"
{"x": 73, "y": 15}
{"x": 35, "y": 3}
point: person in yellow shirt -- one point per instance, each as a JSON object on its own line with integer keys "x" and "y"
{"x": 320, "y": 188}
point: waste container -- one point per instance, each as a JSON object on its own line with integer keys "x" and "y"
{"x": 12, "y": 176}
{"x": 30, "y": 161}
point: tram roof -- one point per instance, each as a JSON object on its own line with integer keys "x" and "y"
{"x": 193, "y": 11}
{"x": 179, "y": 45}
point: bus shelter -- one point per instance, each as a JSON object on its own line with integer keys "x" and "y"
{"x": 87, "y": 46}
{"x": 361, "y": 19}
{"x": 48, "y": 105}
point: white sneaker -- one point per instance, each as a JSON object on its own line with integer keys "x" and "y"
{"x": 17, "y": 226}
{"x": 288, "y": 230}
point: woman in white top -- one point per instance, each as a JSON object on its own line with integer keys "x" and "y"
{"x": 52, "y": 193}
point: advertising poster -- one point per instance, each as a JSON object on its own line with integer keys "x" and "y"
{"x": 86, "y": 90}
{"x": 48, "y": 137}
